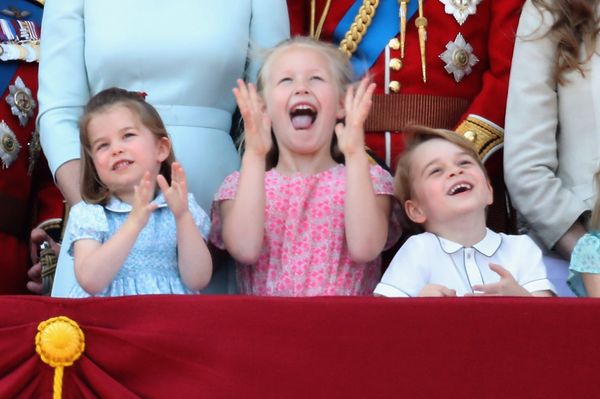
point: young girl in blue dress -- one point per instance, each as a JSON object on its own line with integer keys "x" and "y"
{"x": 137, "y": 230}
{"x": 584, "y": 267}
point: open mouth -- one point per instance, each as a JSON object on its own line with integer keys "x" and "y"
{"x": 121, "y": 164}
{"x": 460, "y": 188}
{"x": 303, "y": 116}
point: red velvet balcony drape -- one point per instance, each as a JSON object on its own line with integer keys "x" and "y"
{"x": 240, "y": 347}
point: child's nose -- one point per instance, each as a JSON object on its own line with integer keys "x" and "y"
{"x": 301, "y": 88}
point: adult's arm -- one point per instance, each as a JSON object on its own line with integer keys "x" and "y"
{"x": 63, "y": 91}
{"x": 269, "y": 25}
{"x": 531, "y": 151}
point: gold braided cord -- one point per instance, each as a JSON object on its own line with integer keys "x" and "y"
{"x": 358, "y": 29}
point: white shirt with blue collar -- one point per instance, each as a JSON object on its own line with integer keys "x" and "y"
{"x": 429, "y": 259}
{"x": 152, "y": 266}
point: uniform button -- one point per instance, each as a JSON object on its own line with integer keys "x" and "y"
{"x": 394, "y": 86}
{"x": 470, "y": 135}
{"x": 395, "y": 64}
{"x": 394, "y": 44}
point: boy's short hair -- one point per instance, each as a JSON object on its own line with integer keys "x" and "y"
{"x": 417, "y": 135}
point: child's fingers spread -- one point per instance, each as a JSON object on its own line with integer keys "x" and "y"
{"x": 162, "y": 183}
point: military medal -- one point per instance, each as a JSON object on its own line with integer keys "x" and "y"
{"x": 459, "y": 58}
{"x": 460, "y": 9}
{"x": 9, "y": 146}
{"x": 21, "y": 101}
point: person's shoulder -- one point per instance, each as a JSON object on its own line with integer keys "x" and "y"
{"x": 522, "y": 241}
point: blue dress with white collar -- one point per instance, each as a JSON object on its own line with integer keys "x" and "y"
{"x": 151, "y": 267}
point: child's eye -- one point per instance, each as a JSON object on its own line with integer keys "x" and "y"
{"x": 100, "y": 146}
{"x": 465, "y": 162}
{"x": 317, "y": 77}
{"x": 434, "y": 171}
{"x": 284, "y": 80}
{"x": 128, "y": 134}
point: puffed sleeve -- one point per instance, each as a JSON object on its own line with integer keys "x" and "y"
{"x": 87, "y": 221}
{"x": 200, "y": 217}
{"x": 531, "y": 273}
{"x": 584, "y": 259}
{"x": 407, "y": 273}
{"x": 226, "y": 192}
{"x": 530, "y": 143}
{"x": 383, "y": 184}
{"x": 63, "y": 89}
{"x": 269, "y": 25}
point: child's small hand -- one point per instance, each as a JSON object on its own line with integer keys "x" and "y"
{"x": 507, "y": 286}
{"x": 351, "y": 134}
{"x": 142, "y": 207}
{"x": 257, "y": 124}
{"x": 176, "y": 195}
{"x": 437, "y": 290}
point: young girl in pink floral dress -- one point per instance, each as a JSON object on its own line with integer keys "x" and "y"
{"x": 306, "y": 214}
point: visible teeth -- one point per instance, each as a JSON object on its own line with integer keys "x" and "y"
{"x": 460, "y": 188}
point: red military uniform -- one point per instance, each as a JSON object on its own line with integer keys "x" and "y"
{"x": 467, "y": 68}
{"x": 28, "y": 196}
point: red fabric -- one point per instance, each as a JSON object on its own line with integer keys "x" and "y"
{"x": 490, "y": 32}
{"x": 229, "y": 347}
{"x": 36, "y": 192}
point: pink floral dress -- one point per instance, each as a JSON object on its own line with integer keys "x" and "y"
{"x": 305, "y": 251}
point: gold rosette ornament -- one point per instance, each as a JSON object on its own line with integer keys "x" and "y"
{"x": 59, "y": 342}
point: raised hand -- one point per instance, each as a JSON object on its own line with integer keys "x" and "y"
{"x": 507, "y": 286}
{"x": 176, "y": 194}
{"x": 257, "y": 124}
{"x": 142, "y": 207}
{"x": 357, "y": 103}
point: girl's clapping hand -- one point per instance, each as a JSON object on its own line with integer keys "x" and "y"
{"x": 142, "y": 207}
{"x": 257, "y": 124}
{"x": 357, "y": 103}
{"x": 176, "y": 194}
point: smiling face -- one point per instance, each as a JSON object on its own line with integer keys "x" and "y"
{"x": 447, "y": 183}
{"x": 123, "y": 149}
{"x": 303, "y": 99}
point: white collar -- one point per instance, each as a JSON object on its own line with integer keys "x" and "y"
{"x": 116, "y": 205}
{"x": 487, "y": 246}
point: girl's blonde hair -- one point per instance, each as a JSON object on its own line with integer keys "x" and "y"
{"x": 575, "y": 23}
{"x": 341, "y": 70}
{"x": 417, "y": 135}
{"x": 595, "y": 219}
{"x": 92, "y": 189}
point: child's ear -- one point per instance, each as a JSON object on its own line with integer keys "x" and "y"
{"x": 414, "y": 212}
{"x": 490, "y": 197}
{"x": 341, "y": 112}
{"x": 163, "y": 147}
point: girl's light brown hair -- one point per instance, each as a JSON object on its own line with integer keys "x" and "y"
{"x": 92, "y": 189}
{"x": 341, "y": 70}
{"x": 575, "y": 23}
{"x": 415, "y": 136}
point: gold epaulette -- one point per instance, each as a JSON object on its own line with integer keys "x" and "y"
{"x": 485, "y": 136}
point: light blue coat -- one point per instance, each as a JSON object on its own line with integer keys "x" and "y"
{"x": 185, "y": 54}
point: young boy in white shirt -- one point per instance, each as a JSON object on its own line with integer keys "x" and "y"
{"x": 443, "y": 187}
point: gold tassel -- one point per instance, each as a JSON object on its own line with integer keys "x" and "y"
{"x": 59, "y": 343}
